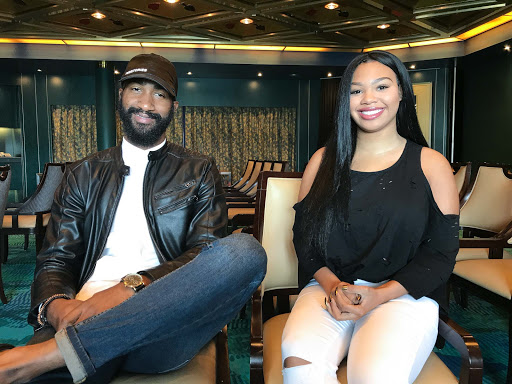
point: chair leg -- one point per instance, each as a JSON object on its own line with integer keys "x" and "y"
{"x": 3, "y": 251}
{"x": 39, "y": 242}
{"x": 509, "y": 368}
{"x": 460, "y": 295}
{"x": 2, "y": 293}
{"x": 25, "y": 246}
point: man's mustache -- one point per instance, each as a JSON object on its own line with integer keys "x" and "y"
{"x": 154, "y": 116}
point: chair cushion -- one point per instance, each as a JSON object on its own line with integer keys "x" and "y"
{"x": 25, "y": 221}
{"x": 477, "y": 253}
{"x": 200, "y": 370}
{"x": 434, "y": 370}
{"x": 494, "y": 275}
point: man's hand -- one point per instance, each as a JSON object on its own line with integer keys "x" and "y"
{"x": 62, "y": 312}
{"x": 58, "y": 311}
{"x": 100, "y": 302}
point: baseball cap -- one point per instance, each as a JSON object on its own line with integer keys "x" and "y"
{"x": 153, "y": 67}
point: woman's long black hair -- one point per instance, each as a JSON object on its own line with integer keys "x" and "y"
{"x": 328, "y": 199}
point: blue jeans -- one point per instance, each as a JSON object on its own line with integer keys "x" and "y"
{"x": 162, "y": 327}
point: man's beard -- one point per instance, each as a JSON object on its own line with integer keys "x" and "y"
{"x": 142, "y": 135}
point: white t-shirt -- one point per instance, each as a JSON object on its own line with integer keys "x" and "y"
{"x": 129, "y": 246}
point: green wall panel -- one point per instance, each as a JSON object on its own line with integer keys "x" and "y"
{"x": 484, "y": 106}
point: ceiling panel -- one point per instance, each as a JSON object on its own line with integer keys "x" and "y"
{"x": 353, "y": 25}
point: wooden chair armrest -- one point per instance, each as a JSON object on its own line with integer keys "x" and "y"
{"x": 247, "y": 205}
{"x": 489, "y": 242}
{"x": 471, "y": 371}
{"x": 240, "y": 198}
{"x": 222, "y": 366}
{"x": 235, "y": 193}
{"x": 16, "y": 212}
{"x": 495, "y": 244}
{"x": 256, "y": 358}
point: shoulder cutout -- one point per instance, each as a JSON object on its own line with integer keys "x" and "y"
{"x": 310, "y": 173}
{"x": 440, "y": 177}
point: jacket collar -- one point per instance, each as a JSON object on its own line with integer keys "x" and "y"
{"x": 159, "y": 153}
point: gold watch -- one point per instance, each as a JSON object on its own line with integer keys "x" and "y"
{"x": 133, "y": 281}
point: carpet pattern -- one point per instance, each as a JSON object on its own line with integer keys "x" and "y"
{"x": 487, "y": 323}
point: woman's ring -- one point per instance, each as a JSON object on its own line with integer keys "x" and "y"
{"x": 344, "y": 287}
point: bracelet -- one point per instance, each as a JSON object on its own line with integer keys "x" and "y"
{"x": 41, "y": 316}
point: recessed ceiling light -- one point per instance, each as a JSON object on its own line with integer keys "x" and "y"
{"x": 116, "y": 72}
{"x": 246, "y": 20}
{"x": 171, "y": 1}
{"x": 507, "y": 48}
{"x": 412, "y": 66}
{"x": 383, "y": 26}
{"x": 98, "y": 15}
{"x": 260, "y": 74}
{"x": 331, "y": 5}
{"x": 39, "y": 70}
{"x": 189, "y": 73}
{"x": 329, "y": 74}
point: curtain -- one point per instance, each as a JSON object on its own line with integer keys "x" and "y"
{"x": 74, "y": 132}
{"x": 328, "y": 99}
{"x": 232, "y": 135}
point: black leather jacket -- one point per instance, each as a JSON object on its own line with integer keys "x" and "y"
{"x": 184, "y": 206}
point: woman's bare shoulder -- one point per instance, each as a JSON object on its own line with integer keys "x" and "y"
{"x": 439, "y": 174}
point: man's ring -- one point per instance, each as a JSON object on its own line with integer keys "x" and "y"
{"x": 358, "y": 298}
{"x": 344, "y": 287}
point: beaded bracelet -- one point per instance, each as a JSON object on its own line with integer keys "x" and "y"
{"x": 41, "y": 316}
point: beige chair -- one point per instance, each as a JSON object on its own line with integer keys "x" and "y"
{"x": 5, "y": 183}
{"x": 486, "y": 210}
{"x": 209, "y": 366}
{"x": 273, "y": 228}
{"x": 247, "y": 173}
{"x": 242, "y": 205}
{"x": 33, "y": 215}
{"x": 249, "y": 183}
{"x": 483, "y": 267}
{"x": 462, "y": 173}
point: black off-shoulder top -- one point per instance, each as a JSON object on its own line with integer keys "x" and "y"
{"x": 394, "y": 231}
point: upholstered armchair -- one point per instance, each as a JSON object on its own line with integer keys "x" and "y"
{"x": 483, "y": 267}
{"x": 271, "y": 303}
{"x": 33, "y": 215}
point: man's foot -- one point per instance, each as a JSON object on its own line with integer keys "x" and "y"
{"x": 21, "y": 364}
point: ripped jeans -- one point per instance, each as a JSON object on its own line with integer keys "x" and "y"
{"x": 163, "y": 326}
{"x": 390, "y": 344}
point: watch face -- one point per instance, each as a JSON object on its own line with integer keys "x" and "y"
{"x": 133, "y": 280}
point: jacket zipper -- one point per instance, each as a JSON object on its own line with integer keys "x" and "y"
{"x": 177, "y": 204}
{"x": 179, "y": 188}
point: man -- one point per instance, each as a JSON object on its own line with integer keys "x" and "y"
{"x": 134, "y": 273}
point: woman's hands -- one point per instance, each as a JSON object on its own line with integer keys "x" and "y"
{"x": 351, "y": 302}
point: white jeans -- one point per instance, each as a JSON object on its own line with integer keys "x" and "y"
{"x": 390, "y": 344}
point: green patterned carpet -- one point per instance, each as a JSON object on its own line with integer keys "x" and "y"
{"x": 489, "y": 324}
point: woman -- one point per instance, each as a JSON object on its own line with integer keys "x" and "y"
{"x": 376, "y": 235}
